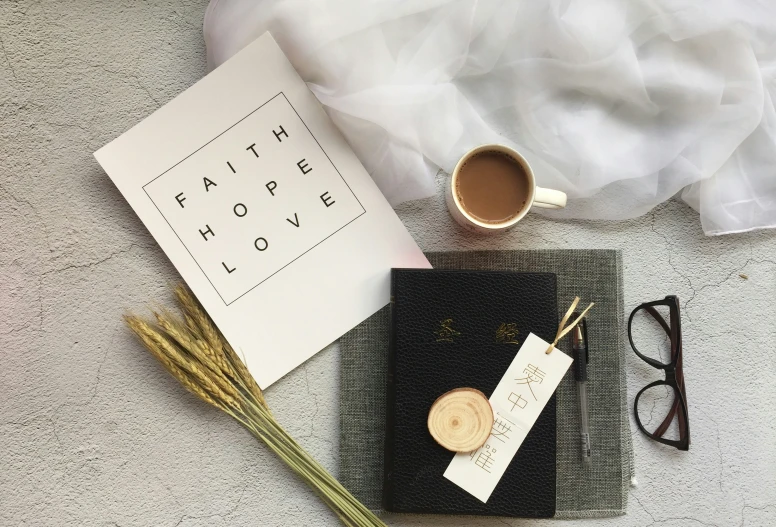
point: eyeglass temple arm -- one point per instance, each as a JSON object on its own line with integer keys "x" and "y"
{"x": 657, "y": 316}
{"x": 660, "y": 430}
{"x": 677, "y": 407}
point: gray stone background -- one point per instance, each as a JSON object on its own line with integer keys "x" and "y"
{"x": 93, "y": 432}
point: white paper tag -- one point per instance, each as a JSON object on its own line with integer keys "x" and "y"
{"x": 517, "y": 401}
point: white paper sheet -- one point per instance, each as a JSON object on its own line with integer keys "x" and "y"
{"x": 264, "y": 210}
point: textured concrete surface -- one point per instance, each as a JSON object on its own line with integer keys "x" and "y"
{"x": 93, "y": 432}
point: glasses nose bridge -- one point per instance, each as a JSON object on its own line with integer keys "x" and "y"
{"x": 671, "y": 375}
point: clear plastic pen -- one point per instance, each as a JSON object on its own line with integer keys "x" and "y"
{"x": 579, "y": 347}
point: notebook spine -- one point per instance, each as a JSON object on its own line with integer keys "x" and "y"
{"x": 390, "y": 410}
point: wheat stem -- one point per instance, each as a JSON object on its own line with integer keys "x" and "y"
{"x": 338, "y": 496}
{"x": 295, "y": 457}
{"x": 199, "y": 357}
{"x": 295, "y": 449}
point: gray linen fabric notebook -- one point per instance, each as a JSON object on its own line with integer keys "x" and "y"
{"x": 594, "y": 276}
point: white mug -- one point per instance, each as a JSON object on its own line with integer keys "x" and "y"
{"x": 537, "y": 196}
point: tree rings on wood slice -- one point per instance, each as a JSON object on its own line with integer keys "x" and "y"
{"x": 461, "y": 420}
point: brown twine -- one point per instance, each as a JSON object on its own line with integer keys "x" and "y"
{"x": 563, "y": 330}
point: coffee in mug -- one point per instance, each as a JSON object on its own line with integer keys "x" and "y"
{"x": 493, "y": 187}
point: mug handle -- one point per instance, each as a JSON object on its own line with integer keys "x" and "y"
{"x": 546, "y": 198}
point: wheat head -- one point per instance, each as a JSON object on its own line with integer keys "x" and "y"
{"x": 196, "y": 317}
{"x": 140, "y": 328}
{"x": 200, "y": 375}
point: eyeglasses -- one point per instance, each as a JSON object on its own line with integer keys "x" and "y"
{"x": 660, "y": 391}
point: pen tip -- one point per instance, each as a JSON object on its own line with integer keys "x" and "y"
{"x": 578, "y": 335}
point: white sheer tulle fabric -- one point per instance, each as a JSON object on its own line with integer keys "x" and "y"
{"x": 619, "y": 103}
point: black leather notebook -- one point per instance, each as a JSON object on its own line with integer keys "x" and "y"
{"x": 451, "y": 329}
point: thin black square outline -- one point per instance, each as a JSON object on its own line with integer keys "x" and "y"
{"x": 216, "y": 137}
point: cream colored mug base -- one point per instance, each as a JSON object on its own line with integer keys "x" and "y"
{"x": 537, "y": 196}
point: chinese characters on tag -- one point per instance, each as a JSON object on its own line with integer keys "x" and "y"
{"x": 532, "y": 375}
{"x": 485, "y": 456}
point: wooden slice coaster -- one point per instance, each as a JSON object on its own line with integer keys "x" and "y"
{"x": 461, "y": 419}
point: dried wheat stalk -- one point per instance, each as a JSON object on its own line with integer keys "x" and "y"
{"x": 193, "y": 351}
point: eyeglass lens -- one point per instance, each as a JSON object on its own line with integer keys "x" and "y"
{"x": 649, "y": 336}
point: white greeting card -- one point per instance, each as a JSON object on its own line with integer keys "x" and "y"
{"x": 264, "y": 210}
